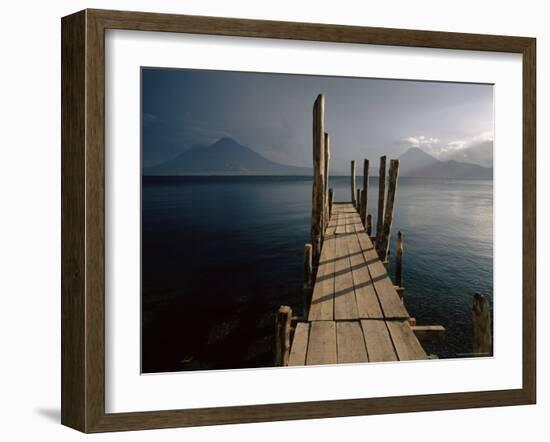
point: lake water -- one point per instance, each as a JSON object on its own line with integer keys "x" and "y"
{"x": 221, "y": 254}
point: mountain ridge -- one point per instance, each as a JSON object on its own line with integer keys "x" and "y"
{"x": 416, "y": 163}
{"x": 224, "y": 157}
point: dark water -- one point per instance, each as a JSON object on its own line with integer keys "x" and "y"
{"x": 221, "y": 254}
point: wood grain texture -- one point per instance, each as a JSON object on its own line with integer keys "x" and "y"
{"x": 73, "y": 255}
{"x": 299, "y": 344}
{"x": 378, "y": 341}
{"x": 322, "y": 343}
{"x": 83, "y": 217}
{"x": 405, "y": 341}
{"x": 350, "y": 342}
{"x": 322, "y": 300}
{"x": 365, "y": 294}
{"x": 391, "y": 304}
{"x": 345, "y": 305}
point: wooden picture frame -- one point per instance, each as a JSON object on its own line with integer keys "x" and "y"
{"x": 83, "y": 220}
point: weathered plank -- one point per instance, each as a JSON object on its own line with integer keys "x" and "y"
{"x": 378, "y": 340}
{"x": 365, "y": 294}
{"x": 345, "y": 305}
{"x": 428, "y": 332}
{"x": 340, "y": 223}
{"x": 350, "y": 342}
{"x": 405, "y": 342}
{"x": 392, "y": 307}
{"x": 322, "y": 343}
{"x": 298, "y": 352}
{"x": 322, "y": 299}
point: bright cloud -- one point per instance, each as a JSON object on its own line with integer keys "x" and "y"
{"x": 438, "y": 149}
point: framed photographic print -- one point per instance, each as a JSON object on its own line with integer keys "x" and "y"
{"x": 269, "y": 220}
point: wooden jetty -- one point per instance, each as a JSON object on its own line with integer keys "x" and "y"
{"x": 352, "y": 310}
{"x": 356, "y": 314}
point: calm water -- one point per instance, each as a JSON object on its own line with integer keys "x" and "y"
{"x": 221, "y": 254}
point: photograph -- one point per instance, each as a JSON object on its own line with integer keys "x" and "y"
{"x": 291, "y": 220}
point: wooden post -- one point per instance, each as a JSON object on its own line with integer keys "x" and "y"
{"x": 330, "y": 201}
{"x": 358, "y": 200}
{"x": 326, "y": 216}
{"x": 318, "y": 178}
{"x": 369, "y": 224}
{"x": 481, "y": 320}
{"x": 308, "y": 278}
{"x": 399, "y": 260}
{"x": 381, "y": 194}
{"x": 384, "y": 241}
{"x": 365, "y": 193}
{"x": 283, "y": 323}
{"x": 353, "y": 183}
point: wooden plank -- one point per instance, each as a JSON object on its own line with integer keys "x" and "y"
{"x": 368, "y": 305}
{"x": 340, "y": 223}
{"x": 428, "y": 331}
{"x": 350, "y": 342}
{"x": 345, "y": 305}
{"x": 405, "y": 342}
{"x": 322, "y": 343}
{"x": 391, "y": 304}
{"x": 298, "y": 352}
{"x": 378, "y": 340}
{"x": 322, "y": 300}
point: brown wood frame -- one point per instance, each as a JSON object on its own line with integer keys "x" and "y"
{"x": 83, "y": 216}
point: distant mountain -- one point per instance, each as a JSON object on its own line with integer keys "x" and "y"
{"x": 479, "y": 153}
{"x": 224, "y": 157}
{"x": 417, "y": 163}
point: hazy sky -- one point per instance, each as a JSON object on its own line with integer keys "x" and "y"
{"x": 272, "y": 114}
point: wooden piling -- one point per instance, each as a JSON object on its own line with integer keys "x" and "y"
{"x": 399, "y": 260}
{"x": 381, "y": 194}
{"x": 330, "y": 200}
{"x": 481, "y": 320}
{"x": 358, "y": 201}
{"x": 369, "y": 224}
{"x": 353, "y": 183}
{"x": 384, "y": 243}
{"x": 283, "y": 323}
{"x": 308, "y": 277}
{"x": 365, "y": 192}
{"x": 318, "y": 178}
{"x": 326, "y": 215}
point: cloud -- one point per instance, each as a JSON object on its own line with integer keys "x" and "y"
{"x": 446, "y": 150}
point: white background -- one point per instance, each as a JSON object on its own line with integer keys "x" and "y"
{"x": 30, "y": 222}
{"x": 128, "y": 391}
